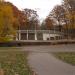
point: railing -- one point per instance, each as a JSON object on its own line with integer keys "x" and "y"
{"x": 40, "y": 31}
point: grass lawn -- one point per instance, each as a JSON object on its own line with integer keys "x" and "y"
{"x": 68, "y": 57}
{"x": 14, "y": 63}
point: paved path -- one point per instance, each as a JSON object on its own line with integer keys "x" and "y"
{"x": 50, "y": 48}
{"x": 46, "y": 64}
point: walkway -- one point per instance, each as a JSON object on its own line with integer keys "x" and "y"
{"x": 46, "y": 64}
{"x": 50, "y": 48}
{"x": 43, "y": 63}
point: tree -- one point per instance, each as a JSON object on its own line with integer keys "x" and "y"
{"x": 69, "y": 6}
{"x": 1, "y": 0}
{"x": 19, "y": 17}
{"x": 58, "y": 15}
{"x": 43, "y": 25}
{"x": 6, "y": 21}
{"x": 48, "y": 23}
{"x": 32, "y": 21}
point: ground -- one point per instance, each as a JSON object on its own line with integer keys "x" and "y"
{"x": 14, "y": 63}
{"x": 68, "y": 57}
{"x": 39, "y": 58}
{"x": 47, "y": 64}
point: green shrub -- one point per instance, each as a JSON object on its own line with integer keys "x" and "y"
{"x": 6, "y": 39}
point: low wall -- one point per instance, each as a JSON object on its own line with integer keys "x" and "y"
{"x": 31, "y": 42}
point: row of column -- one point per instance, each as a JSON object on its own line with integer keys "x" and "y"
{"x": 19, "y": 36}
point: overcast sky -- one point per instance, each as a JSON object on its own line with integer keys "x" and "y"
{"x": 43, "y": 7}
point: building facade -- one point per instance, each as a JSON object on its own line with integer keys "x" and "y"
{"x": 38, "y": 35}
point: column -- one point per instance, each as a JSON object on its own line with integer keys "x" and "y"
{"x": 16, "y": 36}
{"x": 27, "y": 34}
{"x": 35, "y": 35}
{"x": 19, "y": 36}
{"x": 49, "y": 35}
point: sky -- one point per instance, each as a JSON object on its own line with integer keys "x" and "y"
{"x": 43, "y": 7}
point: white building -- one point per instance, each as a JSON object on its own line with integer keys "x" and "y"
{"x": 39, "y": 35}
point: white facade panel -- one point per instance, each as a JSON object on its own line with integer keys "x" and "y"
{"x": 48, "y": 36}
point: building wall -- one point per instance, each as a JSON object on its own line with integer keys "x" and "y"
{"x": 47, "y": 36}
{"x": 41, "y": 35}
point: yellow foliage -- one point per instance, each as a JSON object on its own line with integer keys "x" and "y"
{"x": 6, "y": 20}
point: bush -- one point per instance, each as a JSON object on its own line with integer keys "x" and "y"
{"x": 6, "y": 39}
